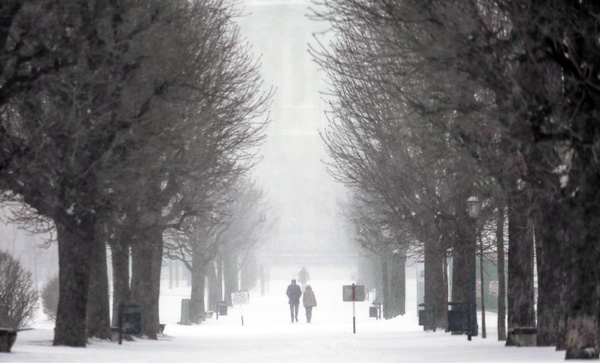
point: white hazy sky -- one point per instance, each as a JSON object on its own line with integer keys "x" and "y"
{"x": 301, "y": 193}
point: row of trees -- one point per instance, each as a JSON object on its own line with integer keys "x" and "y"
{"x": 120, "y": 120}
{"x": 384, "y": 265}
{"x": 437, "y": 101}
{"x": 218, "y": 250}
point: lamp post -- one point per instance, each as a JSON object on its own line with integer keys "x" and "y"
{"x": 386, "y": 231}
{"x": 473, "y": 207}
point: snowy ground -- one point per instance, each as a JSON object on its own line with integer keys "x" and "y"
{"x": 269, "y": 336}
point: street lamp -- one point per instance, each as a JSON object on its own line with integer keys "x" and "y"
{"x": 474, "y": 208}
{"x": 386, "y": 231}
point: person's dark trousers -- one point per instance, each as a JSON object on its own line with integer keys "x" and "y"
{"x": 308, "y": 313}
{"x": 294, "y": 311}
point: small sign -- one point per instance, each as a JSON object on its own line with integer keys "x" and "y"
{"x": 240, "y": 297}
{"x": 359, "y": 293}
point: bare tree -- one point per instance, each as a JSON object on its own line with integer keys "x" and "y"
{"x": 73, "y": 133}
{"x": 402, "y": 57}
{"x": 512, "y": 76}
{"x": 196, "y": 245}
{"x": 215, "y": 122}
{"x": 247, "y": 225}
{"x": 391, "y": 246}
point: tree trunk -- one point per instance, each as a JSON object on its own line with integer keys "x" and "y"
{"x": 573, "y": 235}
{"x": 521, "y": 313}
{"x": 501, "y": 280}
{"x": 231, "y": 277}
{"x": 549, "y": 238}
{"x": 385, "y": 281}
{"x": 471, "y": 255}
{"x": 76, "y": 236}
{"x": 463, "y": 262}
{"x": 249, "y": 275}
{"x": 220, "y": 278}
{"x": 145, "y": 281}
{"x": 213, "y": 291}
{"x": 394, "y": 284}
{"x": 436, "y": 303}
{"x": 482, "y": 289}
{"x": 98, "y": 314}
{"x": 120, "y": 266}
{"x": 198, "y": 286}
{"x": 583, "y": 338}
{"x": 552, "y": 219}
{"x": 398, "y": 282}
{"x": 376, "y": 266}
{"x": 460, "y": 272}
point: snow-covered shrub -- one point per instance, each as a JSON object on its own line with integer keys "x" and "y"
{"x": 50, "y": 298}
{"x": 18, "y": 298}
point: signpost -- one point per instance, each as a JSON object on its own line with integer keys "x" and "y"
{"x": 240, "y": 298}
{"x": 354, "y": 293}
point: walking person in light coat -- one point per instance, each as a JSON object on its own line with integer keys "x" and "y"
{"x": 309, "y": 301}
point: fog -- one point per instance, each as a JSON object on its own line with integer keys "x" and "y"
{"x": 33, "y": 251}
{"x": 302, "y": 195}
{"x": 308, "y": 228}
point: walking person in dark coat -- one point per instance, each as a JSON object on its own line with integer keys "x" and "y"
{"x": 294, "y": 292}
{"x": 309, "y": 301}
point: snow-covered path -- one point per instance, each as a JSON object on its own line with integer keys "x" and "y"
{"x": 268, "y": 336}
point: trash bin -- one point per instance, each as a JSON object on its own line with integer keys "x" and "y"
{"x": 422, "y": 316}
{"x": 221, "y": 308}
{"x": 373, "y": 312}
{"x": 457, "y": 321}
{"x": 457, "y": 317}
{"x": 186, "y": 308}
{"x": 131, "y": 318}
